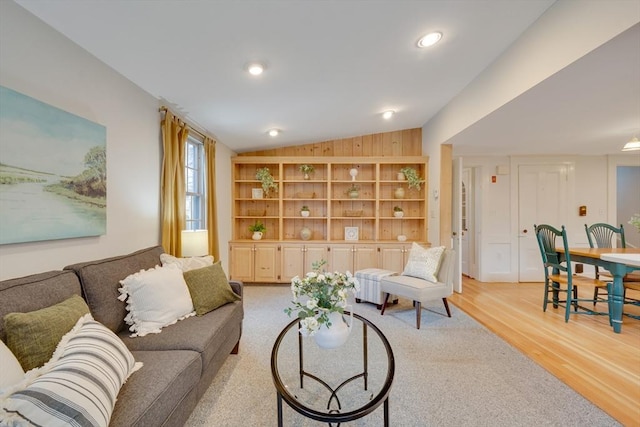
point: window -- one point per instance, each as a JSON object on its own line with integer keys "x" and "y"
{"x": 196, "y": 217}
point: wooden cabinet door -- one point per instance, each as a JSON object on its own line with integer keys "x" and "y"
{"x": 266, "y": 264}
{"x": 365, "y": 256}
{"x": 392, "y": 257}
{"x": 340, "y": 258}
{"x": 292, "y": 261}
{"x": 314, "y": 253}
{"x": 241, "y": 262}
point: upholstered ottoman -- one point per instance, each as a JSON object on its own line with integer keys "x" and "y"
{"x": 370, "y": 291}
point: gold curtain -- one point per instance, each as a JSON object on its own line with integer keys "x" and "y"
{"x": 173, "y": 192}
{"x": 212, "y": 217}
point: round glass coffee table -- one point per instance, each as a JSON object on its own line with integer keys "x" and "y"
{"x": 333, "y": 385}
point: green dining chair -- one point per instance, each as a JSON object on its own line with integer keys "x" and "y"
{"x": 602, "y": 235}
{"x": 558, "y": 274}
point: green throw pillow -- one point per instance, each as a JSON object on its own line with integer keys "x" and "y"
{"x": 209, "y": 288}
{"x": 34, "y": 336}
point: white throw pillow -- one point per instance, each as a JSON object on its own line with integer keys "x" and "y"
{"x": 155, "y": 298}
{"x": 10, "y": 370}
{"x": 77, "y": 386}
{"x": 186, "y": 264}
{"x": 424, "y": 263}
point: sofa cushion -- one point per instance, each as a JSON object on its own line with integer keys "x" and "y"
{"x": 155, "y": 298}
{"x": 199, "y": 333}
{"x": 36, "y": 291}
{"x": 209, "y": 288}
{"x": 78, "y": 386}
{"x": 100, "y": 281}
{"x": 167, "y": 381}
{"x": 34, "y": 336}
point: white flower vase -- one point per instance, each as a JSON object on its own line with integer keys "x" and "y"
{"x": 257, "y": 235}
{"x": 335, "y": 335}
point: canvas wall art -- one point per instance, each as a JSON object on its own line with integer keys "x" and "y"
{"x": 53, "y": 172}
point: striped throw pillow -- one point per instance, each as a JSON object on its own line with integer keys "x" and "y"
{"x": 78, "y": 386}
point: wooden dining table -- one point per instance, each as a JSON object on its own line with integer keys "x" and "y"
{"x": 617, "y": 261}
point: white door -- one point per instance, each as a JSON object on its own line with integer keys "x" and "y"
{"x": 542, "y": 199}
{"x": 456, "y": 223}
{"x": 466, "y": 223}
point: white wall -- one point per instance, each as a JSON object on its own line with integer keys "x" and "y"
{"x": 40, "y": 62}
{"x": 497, "y": 207}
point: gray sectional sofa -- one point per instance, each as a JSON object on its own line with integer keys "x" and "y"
{"x": 179, "y": 363}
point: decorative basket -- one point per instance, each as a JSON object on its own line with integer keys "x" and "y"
{"x": 305, "y": 195}
{"x": 257, "y": 212}
{"x": 352, "y": 213}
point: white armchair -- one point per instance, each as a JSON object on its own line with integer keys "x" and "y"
{"x": 420, "y": 290}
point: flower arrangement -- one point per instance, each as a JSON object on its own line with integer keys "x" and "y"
{"x": 397, "y": 209}
{"x": 413, "y": 179}
{"x": 324, "y": 292}
{"x": 635, "y": 221}
{"x": 268, "y": 183}
{"x": 304, "y": 208}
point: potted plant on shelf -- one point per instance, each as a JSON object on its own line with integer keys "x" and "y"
{"x": 307, "y": 170}
{"x": 398, "y": 212}
{"x": 258, "y": 230}
{"x": 266, "y": 179}
{"x": 353, "y": 191}
{"x": 413, "y": 179}
{"x": 304, "y": 211}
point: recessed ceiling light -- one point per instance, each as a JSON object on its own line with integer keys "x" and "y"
{"x": 274, "y": 132}
{"x": 430, "y": 39}
{"x": 388, "y": 114}
{"x": 255, "y": 68}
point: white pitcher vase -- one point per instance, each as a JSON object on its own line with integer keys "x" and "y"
{"x": 337, "y": 334}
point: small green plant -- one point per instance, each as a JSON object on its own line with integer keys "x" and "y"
{"x": 413, "y": 179}
{"x": 352, "y": 188}
{"x": 307, "y": 169}
{"x": 305, "y": 208}
{"x": 268, "y": 183}
{"x": 397, "y": 209}
{"x": 258, "y": 226}
{"x": 635, "y": 221}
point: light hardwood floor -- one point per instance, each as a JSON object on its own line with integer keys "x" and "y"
{"x": 585, "y": 353}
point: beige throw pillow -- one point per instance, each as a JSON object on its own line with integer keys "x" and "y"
{"x": 424, "y": 263}
{"x": 186, "y": 264}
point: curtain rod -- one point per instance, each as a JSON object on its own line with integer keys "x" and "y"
{"x": 192, "y": 127}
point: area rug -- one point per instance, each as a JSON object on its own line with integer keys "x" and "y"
{"x": 451, "y": 372}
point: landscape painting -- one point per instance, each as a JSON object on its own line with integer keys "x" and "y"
{"x": 53, "y": 172}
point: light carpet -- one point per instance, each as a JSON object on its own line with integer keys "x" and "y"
{"x": 451, "y": 372}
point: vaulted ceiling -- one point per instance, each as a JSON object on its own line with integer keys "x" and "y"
{"x": 333, "y": 67}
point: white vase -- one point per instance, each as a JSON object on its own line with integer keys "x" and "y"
{"x": 304, "y": 213}
{"x": 400, "y": 176}
{"x": 398, "y": 214}
{"x": 336, "y": 334}
{"x": 257, "y": 235}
